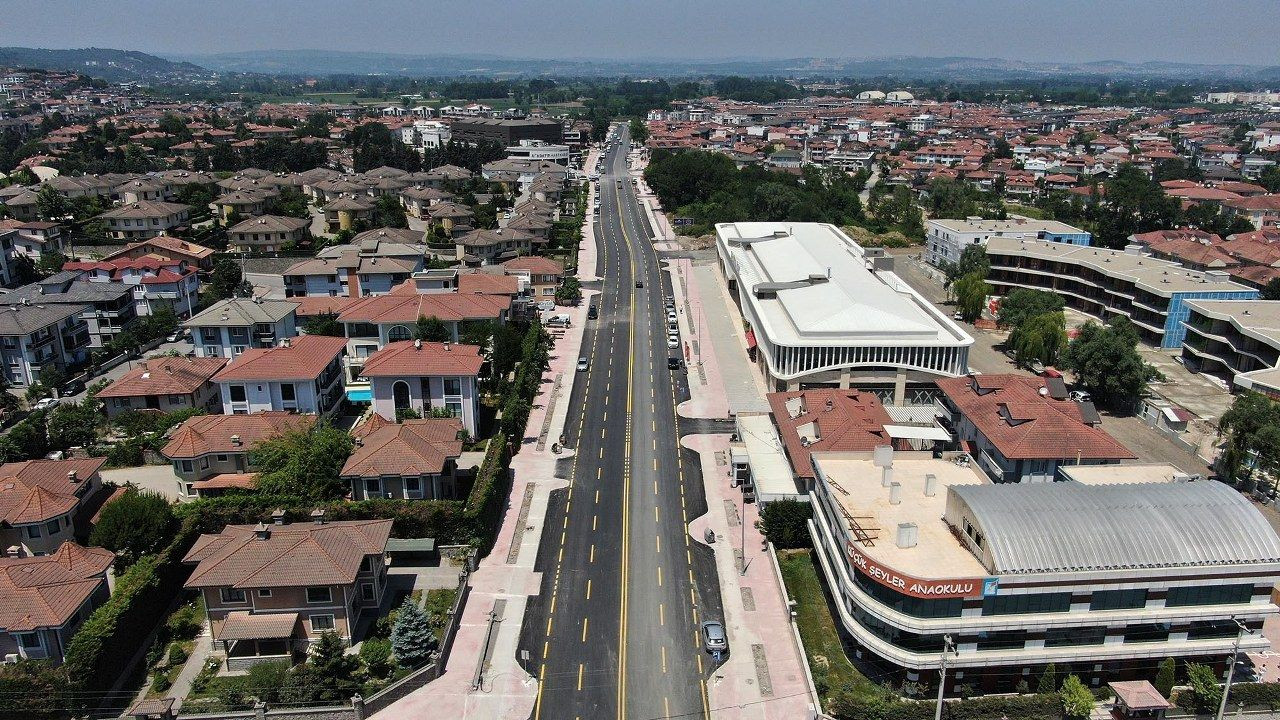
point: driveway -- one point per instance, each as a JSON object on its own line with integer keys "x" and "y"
{"x": 156, "y": 478}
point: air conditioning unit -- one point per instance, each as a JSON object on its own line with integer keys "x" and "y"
{"x": 11, "y": 658}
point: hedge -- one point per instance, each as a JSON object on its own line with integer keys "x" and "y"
{"x": 489, "y": 495}
{"x": 443, "y": 520}
{"x": 1256, "y": 694}
{"x": 848, "y": 706}
{"x": 105, "y": 645}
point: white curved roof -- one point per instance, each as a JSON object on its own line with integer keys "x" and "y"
{"x": 1074, "y": 527}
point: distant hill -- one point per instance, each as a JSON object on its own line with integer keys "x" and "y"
{"x": 105, "y": 63}
{"x": 326, "y": 62}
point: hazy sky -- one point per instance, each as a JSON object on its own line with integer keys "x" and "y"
{"x": 1226, "y": 31}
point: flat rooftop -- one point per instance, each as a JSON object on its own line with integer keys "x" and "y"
{"x": 1160, "y": 277}
{"x": 853, "y": 305}
{"x": 1121, "y": 474}
{"x": 937, "y": 554}
{"x": 1016, "y": 225}
{"x": 1260, "y": 318}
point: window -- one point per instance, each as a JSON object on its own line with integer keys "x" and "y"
{"x": 1002, "y": 640}
{"x": 372, "y": 487}
{"x": 232, "y": 595}
{"x": 398, "y": 332}
{"x": 413, "y": 487}
{"x": 1118, "y": 599}
{"x": 452, "y": 386}
{"x": 319, "y": 595}
{"x": 1212, "y": 629}
{"x": 222, "y": 458}
{"x": 33, "y": 531}
{"x": 238, "y": 393}
{"x": 1209, "y": 595}
{"x": 53, "y": 526}
{"x": 30, "y": 641}
{"x": 400, "y": 397}
{"x": 320, "y": 623}
{"x": 1064, "y": 637}
{"x": 187, "y": 466}
{"x": 366, "y": 592}
{"x": 288, "y": 392}
{"x": 1150, "y": 632}
{"x": 264, "y": 592}
{"x": 913, "y": 606}
{"x": 1023, "y": 604}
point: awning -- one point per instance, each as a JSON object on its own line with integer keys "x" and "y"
{"x": 917, "y": 432}
{"x": 242, "y": 625}
{"x": 751, "y": 339}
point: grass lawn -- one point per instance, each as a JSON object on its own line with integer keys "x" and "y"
{"x": 1024, "y": 210}
{"x": 830, "y": 666}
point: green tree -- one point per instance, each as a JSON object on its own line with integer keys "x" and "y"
{"x": 1270, "y": 179}
{"x": 1048, "y": 679}
{"x": 1166, "y": 677}
{"x": 1039, "y": 339}
{"x": 324, "y": 324}
{"x": 1106, "y": 362}
{"x": 304, "y": 464}
{"x": 971, "y": 293}
{"x": 785, "y": 523}
{"x": 301, "y": 686}
{"x": 35, "y": 690}
{"x": 411, "y": 637}
{"x": 1022, "y": 304}
{"x": 388, "y": 212}
{"x": 225, "y": 279}
{"x": 73, "y": 425}
{"x": 1204, "y": 684}
{"x": 375, "y": 653}
{"x": 638, "y": 130}
{"x": 569, "y": 292}
{"x": 431, "y": 329}
{"x": 1250, "y": 428}
{"x": 335, "y": 670}
{"x": 1077, "y": 701}
{"x": 50, "y": 204}
{"x": 135, "y": 524}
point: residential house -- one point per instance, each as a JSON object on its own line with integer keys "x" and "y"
{"x": 342, "y": 213}
{"x": 422, "y": 377}
{"x": 34, "y": 239}
{"x": 372, "y": 266}
{"x": 229, "y": 327}
{"x": 1021, "y": 429}
{"x": 1261, "y": 210}
{"x": 107, "y": 309}
{"x": 36, "y": 337}
{"x": 44, "y": 503}
{"x": 211, "y": 453}
{"x": 44, "y": 600}
{"x": 165, "y": 384}
{"x": 412, "y": 460}
{"x": 490, "y": 247}
{"x": 271, "y": 590}
{"x": 164, "y": 247}
{"x": 154, "y": 282}
{"x": 302, "y": 375}
{"x": 542, "y": 275}
{"x": 145, "y": 219}
{"x": 267, "y": 233}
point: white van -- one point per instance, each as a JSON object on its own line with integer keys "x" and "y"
{"x": 560, "y": 320}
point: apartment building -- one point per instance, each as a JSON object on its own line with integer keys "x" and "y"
{"x": 36, "y": 337}
{"x": 372, "y": 264}
{"x": 1236, "y": 341}
{"x": 302, "y": 374}
{"x": 1104, "y": 283}
{"x": 946, "y": 240}
{"x": 478, "y": 130}
{"x": 155, "y": 282}
{"x": 229, "y": 327}
{"x": 541, "y": 275}
{"x": 145, "y": 219}
{"x": 1107, "y": 576}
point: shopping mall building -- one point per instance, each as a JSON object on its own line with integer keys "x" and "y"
{"x": 1103, "y": 575}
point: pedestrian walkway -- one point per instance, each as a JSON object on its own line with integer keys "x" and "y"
{"x": 764, "y": 676}
{"x": 743, "y": 386}
{"x": 505, "y": 578}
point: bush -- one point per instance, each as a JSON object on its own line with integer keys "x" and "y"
{"x": 264, "y": 680}
{"x": 34, "y": 690}
{"x": 177, "y": 656}
{"x": 161, "y": 682}
{"x": 185, "y": 623}
{"x": 1256, "y": 694}
{"x": 785, "y": 523}
{"x": 134, "y": 524}
{"x": 376, "y": 654}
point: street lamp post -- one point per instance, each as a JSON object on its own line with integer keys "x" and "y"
{"x": 947, "y": 647}
{"x": 1231, "y": 666}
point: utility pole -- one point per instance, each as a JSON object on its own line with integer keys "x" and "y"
{"x": 1231, "y": 666}
{"x": 947, "y": 647}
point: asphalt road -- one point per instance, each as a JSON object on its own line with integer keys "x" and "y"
{"x": 614, "y": 630}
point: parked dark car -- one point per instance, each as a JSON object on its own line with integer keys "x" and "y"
{"x": 674, "y": 363}
{"x": 71, "y": 387}
{"x": 593, "y": 312}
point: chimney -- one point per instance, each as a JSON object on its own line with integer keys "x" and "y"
{"x": 895, "y": 493}
{"x": 235, "y": 440}
{"x": 73, "y": 478}
{"x": 446, "y": 346}
{"x": 317, "y": 516}
{"x": 13, "y": 551}
{"x": 886, "y": 476}
{"x": 417, "y": 343}
{"x": 285, "y": 343}
{"x": 908, "y": 535}
{"x": 261, "y": 531}
{"x": 277, "y": 516}
{"x": 930, "y": 485}
{"x": 359, "y": 442}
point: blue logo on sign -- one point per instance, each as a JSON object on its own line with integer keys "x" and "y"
{"x": 990, "y": 587}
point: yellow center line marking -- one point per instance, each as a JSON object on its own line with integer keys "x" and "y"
{"x": 553, "y": 600}
{"x": 548, "y": 626}
{"x": 588, "y": 588}
{"x": 592, "y": 558}
{"x": 542, "y": 677}
{"x": 655, "y": 513}
{"x": 580, "y": 676}
{"x": 597, "y": 491}
{"x": 546, "y": 647}
{"x": 585, "y": 620}
{"x": 657, "y": 539}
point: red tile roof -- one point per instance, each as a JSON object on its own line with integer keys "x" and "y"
{"x": 420, "y": 358}
{"x": 535, "y": 264}
{"x": 414, "y": 447}
{"x": 239, "y": 481}
{"x": 488, "y": 284}
{"x": 45, "y": 591}
{"x": 289, "y": 556}
{"x": 404, "y": 305}
{"x": 304, "y": 358}
{"x": 165, "y": 376}
{"x": 36, "y": 490}
{"x": 828, "y": 419}
{"x": 313, "y": 305}
{"x": 1023, "y": 424}
{"x": 205, "y": 434}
